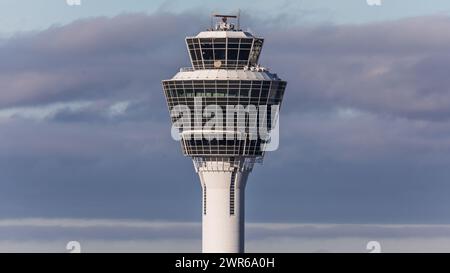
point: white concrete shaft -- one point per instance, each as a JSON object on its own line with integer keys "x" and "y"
{"x": 223, "y": 227}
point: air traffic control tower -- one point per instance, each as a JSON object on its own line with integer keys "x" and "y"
{"x": 224, "y": 110}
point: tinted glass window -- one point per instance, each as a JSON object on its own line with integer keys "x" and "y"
{"x": 207, "y": 54}
{"x": 246, "y": 46}
{"x": 206, "y": 43}
{"x": 243, "y": 54}
{"x": 219, "y": 54}
{"x": 232, "y": 54}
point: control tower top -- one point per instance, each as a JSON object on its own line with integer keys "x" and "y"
{"x": 224, "y": 46}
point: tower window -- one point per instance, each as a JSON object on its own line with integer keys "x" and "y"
{"x": 208, "y": 54}
{"x": 243, "y": 54}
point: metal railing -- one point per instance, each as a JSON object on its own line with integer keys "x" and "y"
{"x": 187, "y": 69}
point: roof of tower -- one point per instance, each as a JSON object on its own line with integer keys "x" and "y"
{"x": 224, "y": 34}
{"x": 225, "y": 74}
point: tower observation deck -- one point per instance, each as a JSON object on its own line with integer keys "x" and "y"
{"x": 224, "y": 110}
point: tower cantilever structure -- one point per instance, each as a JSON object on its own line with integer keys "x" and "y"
{"x": 224, "y": 85}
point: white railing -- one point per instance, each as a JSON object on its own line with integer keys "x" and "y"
{"x": 186, "y": 69}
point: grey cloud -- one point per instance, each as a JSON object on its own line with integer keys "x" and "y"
{"x": 93, "y": 59}
{"x": 386, "y": 162}
{"x": 123, "y": 230}
{"x": 395, "y": 68}
{"x": 136, "y": 229}
{"x": 389, "y": 68}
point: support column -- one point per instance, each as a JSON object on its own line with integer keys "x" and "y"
{"x": 223, "y": 206}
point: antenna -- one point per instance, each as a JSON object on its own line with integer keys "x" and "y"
{"x": 224, "y": 15}
{"x": 223, "y": 23}
{"x": 212, "y": 27}
{"x": 239, "y": 19}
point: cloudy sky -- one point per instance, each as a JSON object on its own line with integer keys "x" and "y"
{"x": 85, "y": 147}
